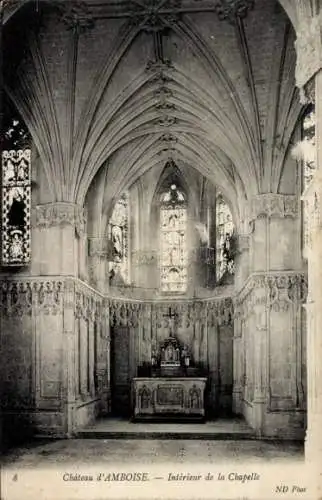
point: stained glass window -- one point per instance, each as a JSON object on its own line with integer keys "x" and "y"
{"x": 308, "y": 154}
{"x": 308, "y": 146}
{"x": 16, "y": 194}
{"x": 224, "y": 239}
{"x": 118, "y": 236}
{"x": 173, "y": 245}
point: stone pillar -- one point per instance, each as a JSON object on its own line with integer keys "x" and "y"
{"x": 271, "y": 316}
{"x": 313, "y": 200}
{"x": 238, "y": 361}
{"x": 275, "y": 243}
{"x": 69, "y": 357}
{"x": 242, "y": 260}
{"x": 309, "y": 81}
{"x": 103, "y": 369}
{"x": 261, "y": 394}
{"x": 98, "y": 254}
{"x": 57, "y": 230}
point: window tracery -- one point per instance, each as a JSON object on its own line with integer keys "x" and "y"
{"x": 173, "y": 244}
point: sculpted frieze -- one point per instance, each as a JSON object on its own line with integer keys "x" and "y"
{"x": 18, "y": 298}
{"x": 220, "y": 312}
{"x": 125, "y": 313}
{"x": 60, "y": 214}
{"x": 274, "y": 205}
{"x": 277, "y": 291}
{"x": 88, "y": 303}
{"x": 144, "y": 257}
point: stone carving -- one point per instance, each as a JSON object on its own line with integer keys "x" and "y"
{"x": 233, "y": 9}
{"x": 158, "y": 68}
{"x": 307, "y": 93}
{"x": 275, "y": 290}
{"x": 154, "y": 14}
{"x": 76, "y": 15}
{"x": 60, "y": 214}
{"x": 308, "y": 49}
{"x": 143, "y": 257}
{"x": 125, "y": 313}
{"x": 88, "y": 303}
{"x": 195, "y": 397}
{"x": 144, "y": 397}
{"x": 220, "y": 312}
{"x": 166, "y": 121}
{"x": 162, "y": 94}
{"x": 18, "y": 298}
{"x": 170, "y": 395}
{"x": 275, "y": 205}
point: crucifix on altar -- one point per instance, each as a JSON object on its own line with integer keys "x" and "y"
{"x": 173, "y": 323}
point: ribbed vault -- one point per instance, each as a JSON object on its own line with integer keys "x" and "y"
{"x": 211, "y": 118}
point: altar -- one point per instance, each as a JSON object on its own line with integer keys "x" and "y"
{"x": 173, "y": 388}
{"x": 169, "y": 397}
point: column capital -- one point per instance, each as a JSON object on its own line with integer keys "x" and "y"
{"x": 308, "y": 48}
{"x": 269, "y": 205}
{"x": 60, "y": 214}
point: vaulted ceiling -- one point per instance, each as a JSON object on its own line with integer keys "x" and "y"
{"x": 126, "y": 86}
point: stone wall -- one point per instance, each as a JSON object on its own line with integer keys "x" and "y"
{"x": 270, "y": 352}
{"x": 49, "y": 370}
{"x": 205, "y": 326}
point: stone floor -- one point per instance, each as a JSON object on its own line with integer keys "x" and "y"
{"x": 78, "y": 452}
{"x": 115, "y": 428}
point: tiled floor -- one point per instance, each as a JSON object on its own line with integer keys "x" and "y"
{"x": 111, "y": 452}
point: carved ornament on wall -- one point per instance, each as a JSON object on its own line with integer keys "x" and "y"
{"x": 60, "y": 214}
{"x": 232, "y": 9}
{"x": 277, "y": 291}
{"x": 275, "y": 205}
{"x": 88, "y": 303}
{"x": 142, "y": 257}
{"x": 18, "y": 298}
{"x": 76, "y": 15}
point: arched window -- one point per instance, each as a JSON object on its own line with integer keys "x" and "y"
{"x": 173, "y": 241}
{"x": 308, "y": 156}
{"x": 119, "y": 238}
{"x": 224, "y": 239}
{"x": 16, "y": 190}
